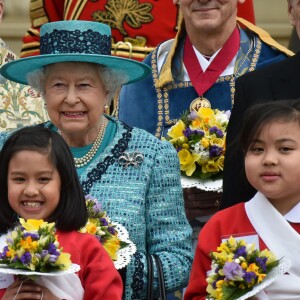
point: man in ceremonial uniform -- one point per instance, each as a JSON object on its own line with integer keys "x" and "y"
{"x": 20, "y": 105}
{"x": 197, "y": 68}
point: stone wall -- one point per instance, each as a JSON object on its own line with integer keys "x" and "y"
{"x": 270, "y": 15}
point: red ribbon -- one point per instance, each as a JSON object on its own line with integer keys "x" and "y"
{"x": 202, "y": 81}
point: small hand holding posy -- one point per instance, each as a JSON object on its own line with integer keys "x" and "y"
{"x": 27, "y": 289}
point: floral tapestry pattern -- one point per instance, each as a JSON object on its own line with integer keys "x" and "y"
{"x": 20, "y": 105}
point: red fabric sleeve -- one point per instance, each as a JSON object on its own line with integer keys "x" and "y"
{"x": 98, "y": 275}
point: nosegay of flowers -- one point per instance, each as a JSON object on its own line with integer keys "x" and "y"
{"x": 100, "y": 225}
{"x": 236, "y": 268}
{"x": 33, "y": 245}
{"x": 199, "y": 138}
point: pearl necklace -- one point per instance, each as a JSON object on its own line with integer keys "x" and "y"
{"x": 84, "y": 160}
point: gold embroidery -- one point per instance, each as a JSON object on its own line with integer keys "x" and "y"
{"x": 38, "y": 14}
{"x": 117, "y": 12}
{"x": 77, "y": 9}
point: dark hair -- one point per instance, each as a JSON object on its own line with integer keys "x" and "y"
{"x": 71, "y": 212}
{"x": 258, "y": 115}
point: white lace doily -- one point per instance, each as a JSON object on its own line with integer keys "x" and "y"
{"x": 282, "y": 268}
{"x": 124, "y": 254}
{"x": 4, "y": 269}
{"x": 202, "y": 184}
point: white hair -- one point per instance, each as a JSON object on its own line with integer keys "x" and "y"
{"x": 112, "y": 80}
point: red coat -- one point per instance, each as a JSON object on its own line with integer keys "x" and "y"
{"x": 230, "y": 221}
{"x": 98, "y": 275}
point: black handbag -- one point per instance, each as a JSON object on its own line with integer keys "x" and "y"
{"x": 161, "y": 279}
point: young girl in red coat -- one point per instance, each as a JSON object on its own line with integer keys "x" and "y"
{"x": 270, "y": 140}
{"x": 38, "y": 180}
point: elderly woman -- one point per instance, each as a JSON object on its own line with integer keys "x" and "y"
{"x": 134, "y": 175}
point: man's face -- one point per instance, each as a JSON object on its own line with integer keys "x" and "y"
{"x": 294, "y": 14}
{"x": 209, "y": 16}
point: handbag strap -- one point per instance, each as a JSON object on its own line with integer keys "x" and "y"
{"x": 161, "y": 279}
{"x": 150, "y": 277}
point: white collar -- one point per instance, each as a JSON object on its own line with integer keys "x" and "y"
{"x": 294, "y": 214}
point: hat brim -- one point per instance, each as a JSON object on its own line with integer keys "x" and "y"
{"x": 18, "y": 70}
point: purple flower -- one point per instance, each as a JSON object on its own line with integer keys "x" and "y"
{"x": 97, "y": 208}
{"x": 9, "y": 240}
{"x": 233, "y": 271}
{"x": 241, "y": 251}
{"x": 111, "y": 230}
{"x": 44, "y": 253}
{"x": 103, "y": 222}
{"x": 261, "y": 261}
{"x": 215, "y": 151}
{"x": 53, "y": 258}
{"x": 25, "y": 258}
{"x": 219, "y": 133}
{"x": 3, "y": 254}
{"x": 249, "y": 277}
{"x": 52, "y": 249}
{"x": 192, "y": 116}
{"x": 188, "y": 132}
{"x": 33, "y": 236}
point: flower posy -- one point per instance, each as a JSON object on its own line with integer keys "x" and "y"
{"x": 236, "y": 268}
{"x": 33, "y": 245}
{"x": 199, "y": 138}
{"x": 101, "y": 226}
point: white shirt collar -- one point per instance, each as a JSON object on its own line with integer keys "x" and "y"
{"x": 294, "y": 214}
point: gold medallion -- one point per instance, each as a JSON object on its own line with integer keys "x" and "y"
{"x": 198, "y": 103}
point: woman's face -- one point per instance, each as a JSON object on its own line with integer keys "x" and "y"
{"x": 75, "y": 97}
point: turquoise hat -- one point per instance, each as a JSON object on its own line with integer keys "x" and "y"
{"x": 74, "y": 41}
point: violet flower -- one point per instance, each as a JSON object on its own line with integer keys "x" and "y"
{"x": 233, "y": 271}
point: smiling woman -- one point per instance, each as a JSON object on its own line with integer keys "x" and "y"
{"x": 134, "y": 175}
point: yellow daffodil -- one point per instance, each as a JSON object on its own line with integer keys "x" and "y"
{"x": 31, "y": 224}
{"x": 218, "y": 142}
{"x": 206, "y": 114}
{"x": 205, "y": 142}
{"x": 269, "y": 254}
{"x": 187, "y": 161}
{"x": 176, "y": 131}
{"x": 64, "y": 259}
{"x": 210, "y": 167}
{"x": 112, "y": 245}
